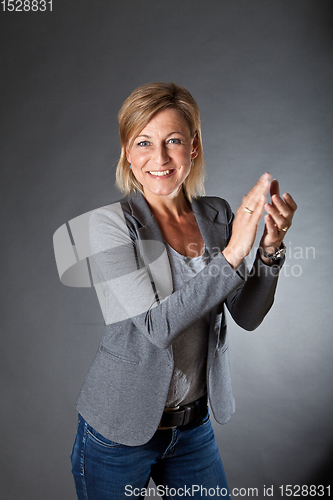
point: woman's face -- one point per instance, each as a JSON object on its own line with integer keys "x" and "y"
{"x": 161, "y": 154}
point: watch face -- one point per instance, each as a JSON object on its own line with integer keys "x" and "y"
{"x": 280, "y": 252}
{"x": 274, "y": 256}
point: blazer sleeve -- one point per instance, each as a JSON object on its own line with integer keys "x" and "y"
{"x": 249, "y": 303}
{"x": 121, "y": 268}
{"x": 252, "y": 300}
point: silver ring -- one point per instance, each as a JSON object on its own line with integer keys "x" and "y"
{"x": 248, "y": 210}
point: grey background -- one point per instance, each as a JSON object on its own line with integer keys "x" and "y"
{"x": 261, "y": 72}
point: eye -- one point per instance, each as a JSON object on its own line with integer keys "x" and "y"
{"x": 174, "y": 141}
{"x": 142, "y": 144}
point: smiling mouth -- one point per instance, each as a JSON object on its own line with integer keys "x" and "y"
{"x": 160, "y": 173}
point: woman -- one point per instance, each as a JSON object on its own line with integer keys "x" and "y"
{"x": 168, "y": 261}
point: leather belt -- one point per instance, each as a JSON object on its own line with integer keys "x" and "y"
{"x": 179, "y": 416}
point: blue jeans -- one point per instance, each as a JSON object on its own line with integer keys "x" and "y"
{"x": 183, "y": 462}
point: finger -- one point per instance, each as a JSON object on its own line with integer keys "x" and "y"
{"x": 279, "y": 220}
{"x": 257, "y": 212}
{"x": 280, "y": 205}
{"x": 272, "y": 237}
{"x": 271, "y": 228}
{"x": 290, "y": 201}
{"x": 254, "y": 195}
{"x": 274, "y": 188}
{"x": 260, "y": 186}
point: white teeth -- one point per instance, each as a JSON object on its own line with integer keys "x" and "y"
{"x": 160, "y": 173}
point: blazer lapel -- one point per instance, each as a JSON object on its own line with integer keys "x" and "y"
{"x": 214, "y": 232}
{"x": 151, "y": 247}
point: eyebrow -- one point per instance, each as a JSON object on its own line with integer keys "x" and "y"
{"x": 149, "y": 137}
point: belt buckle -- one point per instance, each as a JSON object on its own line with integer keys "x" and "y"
{"x": 169, "y": 410}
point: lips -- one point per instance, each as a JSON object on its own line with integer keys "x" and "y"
{"x": 160, "y": 173}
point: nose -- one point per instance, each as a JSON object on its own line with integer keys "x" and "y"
{"x": 160, "y": 155}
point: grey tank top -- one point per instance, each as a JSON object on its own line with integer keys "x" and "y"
{"x": 188, "y": 381}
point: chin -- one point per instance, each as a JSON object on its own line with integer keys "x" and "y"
{"x": 170, "y": 193}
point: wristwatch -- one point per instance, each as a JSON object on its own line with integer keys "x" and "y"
{"x": 280, "y": 252}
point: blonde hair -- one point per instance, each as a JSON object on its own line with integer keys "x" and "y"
{"x": 134, "y": 115}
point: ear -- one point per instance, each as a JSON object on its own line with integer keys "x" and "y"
{"x": 195, "y": 146}
{"x": 128, "y": 156}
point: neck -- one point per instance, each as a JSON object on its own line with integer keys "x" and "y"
{"x": 164, "y": 206}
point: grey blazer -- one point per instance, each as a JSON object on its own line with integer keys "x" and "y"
{"x": 124, "y": 393}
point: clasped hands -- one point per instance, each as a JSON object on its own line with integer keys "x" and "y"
{"x": 278, "y": 220}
